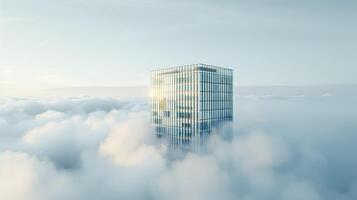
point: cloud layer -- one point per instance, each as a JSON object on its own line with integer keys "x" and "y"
{"x": 102, "y": 148}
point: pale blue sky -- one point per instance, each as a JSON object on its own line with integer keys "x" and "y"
{"x": 116, "y": 43}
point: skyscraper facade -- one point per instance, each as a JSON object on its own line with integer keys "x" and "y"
{"x": 189, "y": 101}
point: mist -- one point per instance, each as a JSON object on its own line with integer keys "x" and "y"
{"x": 284, "y": 145}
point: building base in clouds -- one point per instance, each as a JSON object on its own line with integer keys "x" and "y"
{"x": 175, "y": 148}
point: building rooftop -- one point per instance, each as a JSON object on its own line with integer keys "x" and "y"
{"x": 194, "y": 66}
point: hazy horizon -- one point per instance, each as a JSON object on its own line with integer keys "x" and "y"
{"x": 143, "y": 92}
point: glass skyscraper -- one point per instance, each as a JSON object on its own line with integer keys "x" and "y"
{"x": 189, "y": 101}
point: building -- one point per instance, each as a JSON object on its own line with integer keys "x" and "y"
{"x": 189, "y": 101}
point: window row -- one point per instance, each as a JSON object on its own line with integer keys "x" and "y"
{"x": 212, "y": 87}
{"x": 191, "y": 78}
{"x": 205, "y": 114}
{"x": 215, "y": 78}
{"x": 189, "y": 105}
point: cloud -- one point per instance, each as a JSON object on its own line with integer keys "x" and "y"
{"x": 301, "y": 190}
{"x": 23, "y": 176}
{"x": 103, "y": 148}
{"x": 64, "y": 141}
{"x": 50, "y": 116}
{"x": 18, "y": 115}
{"x": 196, "y": 177}
{"x": 132, "y": 142}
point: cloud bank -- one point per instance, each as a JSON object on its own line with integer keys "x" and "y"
{"x": 103, "y": 148}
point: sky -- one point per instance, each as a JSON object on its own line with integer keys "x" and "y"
{"x": 67, "y": 43}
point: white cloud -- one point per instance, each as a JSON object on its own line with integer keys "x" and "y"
{"x": 50, "y": 115}
{"x": 195, "y": 177}
{"x": 300, "y": 190}
{"x": 23, "y": 176}
{"x": 131, "y": 142}
{"x": 99, "y": 148}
